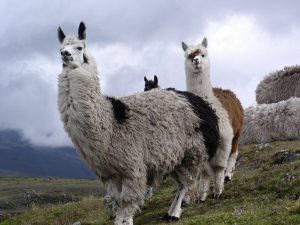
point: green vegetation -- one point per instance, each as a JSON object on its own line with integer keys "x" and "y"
{"x": 262, "y": 192}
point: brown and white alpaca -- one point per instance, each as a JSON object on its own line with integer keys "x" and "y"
{"x": 134, "y": 140}
{"x": 197, "y": 67}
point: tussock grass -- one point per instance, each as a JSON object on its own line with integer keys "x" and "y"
{"x": 90, "y": 211}
{"x": 261, "y": 192}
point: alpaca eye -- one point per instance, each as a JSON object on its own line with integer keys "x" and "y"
{"x": 79, "y": 48}
{"x": 203, "y": 56}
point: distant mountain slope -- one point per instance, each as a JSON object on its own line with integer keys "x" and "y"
{"x": 18, "y": 156}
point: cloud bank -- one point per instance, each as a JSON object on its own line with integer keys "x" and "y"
{"x": 132, "y": 39}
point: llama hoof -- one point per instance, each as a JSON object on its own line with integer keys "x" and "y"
{"x": 174, "y": 218}
{"x": 227, "y": 179}
{"x": 169, "y": 218}
{"x": 217, "y": 196}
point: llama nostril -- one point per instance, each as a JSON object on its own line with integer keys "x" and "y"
{"x": 65, "y": 53}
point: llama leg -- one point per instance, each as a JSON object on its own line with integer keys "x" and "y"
{"x": 231, "y": 166}
{"x": 204, "y": 183}
{"x": 220, "y": 164}
{"x": 218, "y": 181}
{"x": 171, "y": 209}
{"x": 113, "y": 188}
{"x": 182, "y": 181}
{"x": 122, "y": 217}
{"x": 119, "y": 218}
{"x": 110, "y": 204}
{"x": 232, "y": 157}
{"x": 177, "y": 208}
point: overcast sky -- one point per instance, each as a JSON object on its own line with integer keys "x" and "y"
{"x": 131, "y": 39}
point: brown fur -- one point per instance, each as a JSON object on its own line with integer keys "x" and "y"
{"x": 235, "y": 111}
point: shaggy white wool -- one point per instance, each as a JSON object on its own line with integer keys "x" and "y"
{"x": 272, "y": 122}
{"x": 279, "y": 85}
{"x": 154, "y": 140}
{"x": 197, "y": 68}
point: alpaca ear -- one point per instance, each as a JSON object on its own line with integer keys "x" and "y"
{"x": 155, "y": 79}
{"x": 145, "y": 79}
{"x": 81, "y": 31}
{"x": 184, "y": 46}
{"x": 61, "y": 35}
{"x": 204, "y": 42}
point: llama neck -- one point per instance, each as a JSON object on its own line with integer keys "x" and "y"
{"x": 85, "y": 113}
{"x": 199, "y": 82}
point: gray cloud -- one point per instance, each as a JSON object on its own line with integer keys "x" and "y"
{"x": 131, "y": 39}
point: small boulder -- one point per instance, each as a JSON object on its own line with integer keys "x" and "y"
{"x": 285, "y": 157}
{"x": 77, "y": 223}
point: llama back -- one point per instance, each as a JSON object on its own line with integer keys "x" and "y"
{"x": 159, "y": 132}
{"x": 278, "y": 86}
{"x": 272, "y": 122}
{"x": 233, "y": 107}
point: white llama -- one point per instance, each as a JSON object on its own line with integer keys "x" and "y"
{"x": 134, "y": 140}
{"x": 272, "y": 122}
{"x": 197, "y": 68}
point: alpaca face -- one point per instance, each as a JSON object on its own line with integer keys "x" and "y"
{"x": 72, "y": 48}
{"x": 196, "y": 57}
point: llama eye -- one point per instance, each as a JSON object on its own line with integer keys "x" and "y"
{"x": 79, "y": 48}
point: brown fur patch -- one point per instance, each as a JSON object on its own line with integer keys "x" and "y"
{"x": 194, "y": 54}
{"x": 235, "y": 111}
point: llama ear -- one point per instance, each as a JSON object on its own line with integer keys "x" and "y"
{"x": 145, "y": 79}
{"x": 184, "y": 46}
{"x": 204, "y": 42}
{"x": 61, "y": 35}
{"x": 81, "y": 31}
{"x": 155, "y": 79}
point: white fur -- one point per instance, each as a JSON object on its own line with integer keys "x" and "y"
{"x": 198, "y": 82}
{"x": 231, "y": 165}
{"x": 272, "y": 122}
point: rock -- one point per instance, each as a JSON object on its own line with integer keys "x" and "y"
{"x": 285, "y": 157}
{"x": 241, "y": 159}
{"x": 263, "y": 145}
{"x": 77, "y": 223}
{"x": 289, "y": 177}
{"x": 4, "y": 205}
{"x": 239, "y": 212}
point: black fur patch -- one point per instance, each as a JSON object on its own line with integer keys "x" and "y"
{"x": 120, "y": 110}
{"x": 150, "y": 85}
{"x": 209, "y": 126}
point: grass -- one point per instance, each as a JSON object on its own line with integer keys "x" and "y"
{"x": 89, "y": 209}
{"x": 261, "y": 192}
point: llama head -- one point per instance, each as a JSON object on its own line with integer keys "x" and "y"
{"x": 196, "y": 56}
{"x": 150, "y": 84}
{"x": 73, "y": 47}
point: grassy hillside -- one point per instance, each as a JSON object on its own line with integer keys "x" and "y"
{"x": 265, "y": 190}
